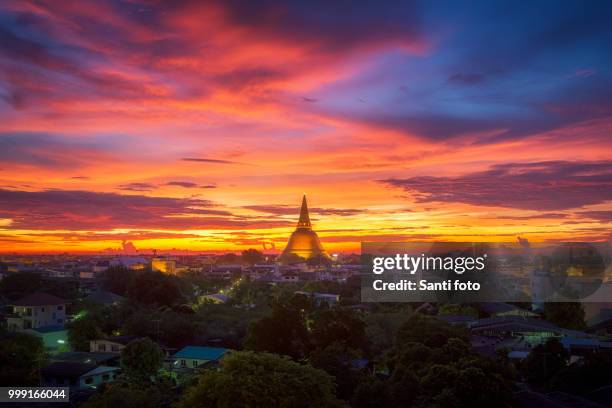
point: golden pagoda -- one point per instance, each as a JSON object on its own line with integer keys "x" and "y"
{"x": 303, "y": 242}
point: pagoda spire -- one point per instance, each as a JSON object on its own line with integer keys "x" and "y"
{"x": 304, "y": 221}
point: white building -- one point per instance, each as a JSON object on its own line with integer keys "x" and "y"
{"x": 37, "y": 310}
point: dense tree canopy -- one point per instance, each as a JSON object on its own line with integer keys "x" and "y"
{"x": 252, "y": 256}
{"x": 21, "y": 356}
{"x": 250, "y": 379}
{"x": 569, "y": 315}
{"x": 141, "y": 360}
{"x": 432, "y": 364}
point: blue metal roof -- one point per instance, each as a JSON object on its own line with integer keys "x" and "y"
{"x": 201, "y": 353}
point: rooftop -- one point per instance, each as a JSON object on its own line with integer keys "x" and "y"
{"x": 40, "y": 299}
{"x": 67, "y": 369}
{"x": 201, "y": 353}
{"x": 104, "y": 297}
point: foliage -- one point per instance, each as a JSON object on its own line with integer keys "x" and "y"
{"x": 116, "y": 279}
{"x": 457, "y": 310}
{"x": 154, "y": 288}
{"x": 292, "y": 258}
{"x": 17, "y": 285}
{"x": 146, "y": 287}
{"x": 21, "y": 356}
{"x": 252, "y": 256}
{"x": 335, "y": 360}
{"x": 381, "y": 329}
{"x": 569, "y": 315}
{"x": 249, "y": 292}
{"x": 82, "y": 330}
{"x": 545, "y": 361}
{"x": 129, "y": 395}
{"x": 229, "y": 258}
{"x": 283, "y": 332}
{"x": 594, "y": 372}
{"x": 432, "y": 364}
{"x": 262, "y": 380}
{"x": 141, "y": 359}
{"x": 225, "y": 324}
{"x": 331, "y": 326}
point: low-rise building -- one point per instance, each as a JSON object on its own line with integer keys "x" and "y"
{"x": 105, "y": 298}
{"x": 113, "y": 344}
{"x": 35, "y": 311}
{"x": 77, "y": 375}
{"x": 197, "y": 357}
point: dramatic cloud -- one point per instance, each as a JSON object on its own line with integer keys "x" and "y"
{"x": 185, "y": 184}
{"x": 137, "y": 187}
{"x": 254, "y": 103}
{"x": 601, "y": 216}
{"x": 543, "y": 186}
{"x": 203, "y": 160}
{"x": 47, "y": 150}
{"x": 293, "y": 210}
{"x": 84, "y": 210}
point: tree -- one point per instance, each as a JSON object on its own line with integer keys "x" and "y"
{"x": 545, "y": 361}
{"x": 332, "y": 326}
{"x": 21, "y": 356}
{"x": 252, "y": 256}
{"x": 455, "y": 309}
{"x": 381, "y": 329}
{"x": 283, "y": 332}
{"x": 17, "y": 285}
{"x": 116, "y": 279}
{"x": 154, "y": 288}
{"x": 291, "y": 258}
{"x": 229, "y": 258}
{"x": 82, "y": 330}
{"x": 131, "y": 395}
{"x": 141, "y": 359}
{"x": 569, "y": 315}
{"x": 429, "y": 331}
{"x": 432, "y": 364}
{"x": 250, "y": 379}
{"x": 335, "y": 360}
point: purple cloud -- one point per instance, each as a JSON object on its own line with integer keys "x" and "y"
{"x": 542, "y": 186}
{"x": 77, "y": 210}
{"x": 293, "y": 210}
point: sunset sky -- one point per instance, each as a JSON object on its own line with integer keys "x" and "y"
{"x": 199, "y": 125}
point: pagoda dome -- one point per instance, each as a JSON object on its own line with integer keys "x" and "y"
{"x": 304, "y": 242}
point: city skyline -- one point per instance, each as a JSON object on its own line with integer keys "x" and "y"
{"x": 199, "y": 126}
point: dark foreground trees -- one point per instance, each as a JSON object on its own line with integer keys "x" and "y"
{"x": 250, "y": 379}
{"x": 21, "y": 356}
{"x": 433, "y": 365}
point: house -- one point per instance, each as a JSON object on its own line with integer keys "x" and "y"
{"x": 195, "y": 357}
{"x": 35, "y": 311}
{"x": 515, "y": 333}
{"x": 105, "y": 298}
{"x": 77, "y": 375}
{"x": 320, "y": 298}
{"x": 111, "y": 344}
{"x": 55, "y": 338}
{"x": 99, "y": 359}
{"x": 498, "y": 309}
